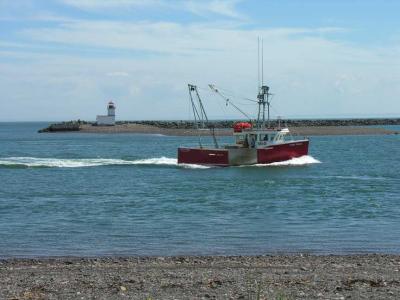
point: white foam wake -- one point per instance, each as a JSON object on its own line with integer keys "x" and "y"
{"x": 161, "y": 161}
{"x": 297, "y": 161}
{"x": 89, "y": 162}
{"x": 166, "y": 161}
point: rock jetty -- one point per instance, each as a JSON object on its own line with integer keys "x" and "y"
{"x": 64, "y": 126}
{"x": 274, "y": 123}
{"x": 77, "y": 125}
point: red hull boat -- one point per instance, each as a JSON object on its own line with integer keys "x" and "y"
{"x": 237, "y": 157}
{"x": 259, "y": 144}
{"x": 255, "y": 142}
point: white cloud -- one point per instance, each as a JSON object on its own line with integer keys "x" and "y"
{"x": 67, "y": 68}
{"x": 221, "y": 7}
{"x": 107, "y": 4}
{"x": 199, "y": 7}
{"x": 309, "y": 73}
{"x": 168, "y": 37}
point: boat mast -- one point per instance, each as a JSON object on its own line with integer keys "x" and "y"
{"x": 263, "y": 91}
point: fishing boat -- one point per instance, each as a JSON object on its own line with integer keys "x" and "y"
{"x": 255, "y": 142}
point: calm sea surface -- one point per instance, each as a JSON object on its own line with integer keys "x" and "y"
{"x": 123, "y": 194}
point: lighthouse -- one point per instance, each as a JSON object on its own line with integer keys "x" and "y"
{"x": 111, "y": 109}
{"x": 109, "y": 119}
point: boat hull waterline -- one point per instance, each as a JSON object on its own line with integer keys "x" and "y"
{"x": 225, "y": 157}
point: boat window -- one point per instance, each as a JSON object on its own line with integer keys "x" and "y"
{"x": 240, "y": 139}
{"x": 253, "y": 138}
{"x": 265, "y": 138}
{"x": 279, "y": 137}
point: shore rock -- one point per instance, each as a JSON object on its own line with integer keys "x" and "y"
{"x": 183, "y": 124}
{"x": 274, "y": 123}
{"x": 63, "y": 126}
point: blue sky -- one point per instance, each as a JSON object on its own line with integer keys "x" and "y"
{"x": 64, "y": 59}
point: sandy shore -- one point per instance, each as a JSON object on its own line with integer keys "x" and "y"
{"x": 301, "y": 131}
{"x": 270, "y": 277}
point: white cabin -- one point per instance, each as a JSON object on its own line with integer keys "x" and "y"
{"x": 261, "y": 138}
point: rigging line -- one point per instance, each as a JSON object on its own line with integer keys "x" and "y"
{"x": 206, "y": 90}
{"x": 222, "y": 107}
{"x": 211, "y": 93}
{"x": 203, "y": 112}
{"x": 244, "y": 104}
{"x": 231, "y": 94}
{"x": 195, "y": 112}
{"x": 204, "y": 116}
{"x": 275, "y": 111}
{"x": 227, "y": 100}
{"x": 246, "y": 115}
{"x": 272, "y": 106}
{"x": 239, "y": 97}
{"x": 189, "y": 110}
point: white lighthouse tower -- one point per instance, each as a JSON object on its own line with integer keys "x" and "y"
{"x": 111, "y": 109}
{"x": 109, "y": 119}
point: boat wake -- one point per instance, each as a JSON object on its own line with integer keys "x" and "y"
{"x": 297, "y": 161}
{"x": 34, "y": 162}
{"x": 166, "y": 162}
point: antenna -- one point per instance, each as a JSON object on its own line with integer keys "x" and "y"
{"x": 258, "y": 62}
{"x": 262, "y": 61}
{"x": 263, "y": 90}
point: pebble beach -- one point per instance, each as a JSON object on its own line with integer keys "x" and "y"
{"x": 211, "y": 277}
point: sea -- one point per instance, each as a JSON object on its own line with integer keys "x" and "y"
{"x": 80, "y": 194}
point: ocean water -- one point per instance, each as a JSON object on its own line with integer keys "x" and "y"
{"x": 124, "y": 194}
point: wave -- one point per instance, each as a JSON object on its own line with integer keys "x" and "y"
{"x": 296, "y": 161}
{"x": 35, "y": 162}
{"x": 362, "y": 178}
{"x": 166, "y": 161}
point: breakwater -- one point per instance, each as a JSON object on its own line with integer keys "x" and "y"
{"x": 64, "y": 126}
{"x": 274, "y": 123}
{"x": 183, "y": 124}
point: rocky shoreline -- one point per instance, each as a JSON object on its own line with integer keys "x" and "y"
{"x": 274, "y": 123}
{"x": 282, "y": 277}
{"x": 64, "y": 126}
{"x": 186, "y": 128}
{"x": 297, "y": 131}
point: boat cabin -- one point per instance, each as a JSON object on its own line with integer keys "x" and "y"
{"x": 248, "y": 137}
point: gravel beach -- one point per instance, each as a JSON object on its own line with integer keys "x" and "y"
{"x": 243, "y": 277}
